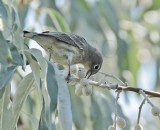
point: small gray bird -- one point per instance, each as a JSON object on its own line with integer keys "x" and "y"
{"x": 68, "y": 49}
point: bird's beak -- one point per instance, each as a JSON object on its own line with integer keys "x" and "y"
{"x": 88, "y": 74}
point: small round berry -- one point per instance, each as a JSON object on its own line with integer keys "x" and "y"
{"x": 78, "y": 90}
{"x": 84, "y": 82}
{"x": 155, "y": 111}
{"x": 81, "y": 73}
{"x": 72, "y": 82}
{"x": 121, "y": 122}
{"x": 138, "y": 127}
{"x": 92, "y": 77}
{"x": 111, "y": 127}
{"x": 87, "y": 90}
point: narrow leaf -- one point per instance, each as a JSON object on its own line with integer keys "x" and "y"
{"x": 52, "y": 87}
{"x": 6, "y": 75}
{"x": 43, "y": 122}
{"x": 38, "y": 64}
{"x": 33, "y": 120}
{"x": 48, "y": 109}
{"x": 2, "y": 92}
{"x": 5, "y": 54}
{"x": 21, "y": 94}
{"x": 35, "y": 68}
{"x": 7, "y": 115}
{"x": 37, "y": 54}
{"x": 16, "y": 58}
{"x": 64, "y": 105}
{"x": 3, "y": 13}
{"x": 110, "y": 15}
{"x": 58, "y": 20}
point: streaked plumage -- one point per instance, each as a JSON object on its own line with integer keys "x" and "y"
{"x": 68, "y": 48}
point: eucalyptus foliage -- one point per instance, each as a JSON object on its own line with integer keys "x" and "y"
{"x": 33, "y": 92}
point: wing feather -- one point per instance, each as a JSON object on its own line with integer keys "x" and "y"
{"x": 69, "y": 38}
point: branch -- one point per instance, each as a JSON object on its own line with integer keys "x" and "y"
{"x": 125, "y": 88}
{"x": 119, "y": 87}
{"x": 120, "y": 122}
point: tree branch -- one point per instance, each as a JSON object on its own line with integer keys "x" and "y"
{"x": 120, "y": 87}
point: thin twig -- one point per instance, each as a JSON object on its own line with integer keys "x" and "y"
{"x": 140, "y": 109}
{"x": 146, "y": 97}
{"x": 112, "y": 76}
{"x": 121, "y": 87}
{"x": 116, "y": 114}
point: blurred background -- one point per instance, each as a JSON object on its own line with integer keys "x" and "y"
{"x": 125, "y": 32}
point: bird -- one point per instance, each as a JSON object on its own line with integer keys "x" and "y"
{"x": 67, "y": 49}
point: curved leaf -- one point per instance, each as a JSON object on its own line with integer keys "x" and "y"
{"x": 6, "y": 75}
{"x": 58, "y": 20}
{"x": 16, "y": 58}
{"x": 52, "y": 87}
{"x": 5, "y": 54}
{"x": 7, "y": 114}
{"x": 35, "y": 68}
{"x": 43, "y": 122}
{"x": 21, "y": 94}
{"x": 3, "y": 13}
{"x": 64, "y": 105}
{"x": 110, "y": 15}
{"x": 40, "y": 59}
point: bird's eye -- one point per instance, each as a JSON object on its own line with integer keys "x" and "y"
{"x": 96, "y": 67}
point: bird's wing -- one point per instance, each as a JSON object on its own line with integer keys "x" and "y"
{"x": 69, "y": 38}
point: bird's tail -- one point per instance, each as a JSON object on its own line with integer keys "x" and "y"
{"x": 29, "y": 34}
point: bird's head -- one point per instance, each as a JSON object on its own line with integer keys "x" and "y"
{"x": 95, "y": 63}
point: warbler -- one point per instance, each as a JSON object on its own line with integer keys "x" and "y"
{"x": 68, "y": 49}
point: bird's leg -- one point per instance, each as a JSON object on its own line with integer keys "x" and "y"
{"x": 49, "y": 51}
{"x": 69, "y": 71}
{"x": 69, "y": 59}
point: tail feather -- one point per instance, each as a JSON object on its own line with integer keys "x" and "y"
{"x": 29, "y": 34}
